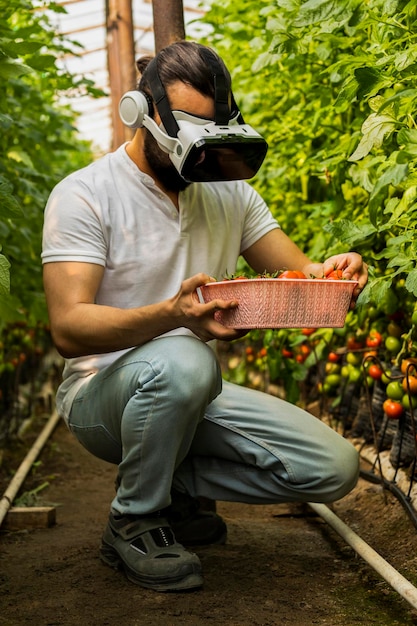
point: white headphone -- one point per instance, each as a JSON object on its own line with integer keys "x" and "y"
{"x": 133, "y": 107}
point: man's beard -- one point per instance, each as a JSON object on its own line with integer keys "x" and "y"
{"x": 161, "y": 165}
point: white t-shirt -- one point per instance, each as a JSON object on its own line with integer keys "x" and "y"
{"x": 112, "y": 214}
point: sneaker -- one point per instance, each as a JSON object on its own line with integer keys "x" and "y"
{"x": 146, "y": 549}
{"x": 192, "y": 525}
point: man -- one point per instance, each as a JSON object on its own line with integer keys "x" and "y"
{"x": 127, "y": 242}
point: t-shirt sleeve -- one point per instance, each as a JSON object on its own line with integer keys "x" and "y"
{"x": 258, "y": 218}
{"x": 73, "y": 229}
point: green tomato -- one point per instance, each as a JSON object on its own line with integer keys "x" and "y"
{"x": 385, "y": 378}
{"x": 354, "y": 358}
{"x": 394, "y": 390}
{"x": 355, "y": 374}
{"x": 333, "y": 380}
{"x": 405, "y": 401}
{"x": 414, "y": 318}
{"x": 393, "y": 344}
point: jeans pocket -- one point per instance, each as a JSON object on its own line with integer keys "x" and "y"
{"x": 97, "y": 440}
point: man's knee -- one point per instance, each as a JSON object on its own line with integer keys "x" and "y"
{"x": 343, "y": 474}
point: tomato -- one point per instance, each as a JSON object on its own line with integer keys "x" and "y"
{"x": 410, "y": 383}
{"x": 355, "y": 374}
{"x": 392, "y": 344}
{"x": 375, "y": 371}
{"x": 354, "y": 358}
{"x": 333, "y": 357}
{"x": 414, "y": 318}
{"x": 409, "y": 366}
{"x": 353, "y": 343}
{"x": 333, "y": 380}
{"x": 335, "y": 275}
{"x": 332, "y": 368}
{"x": 394, "y": 329}
{"x": 287, "y": 354}
{"x": 393, "y": 409}
{"x": 262, "y": 352}
{"x": 292, "y": 274}
{"x": 394, "y": 390}
{"x": 374, "y": 339}
{"x": 406, "y": 402}
{"x": 308, "y": 331}
{"x": 386, "y": 377}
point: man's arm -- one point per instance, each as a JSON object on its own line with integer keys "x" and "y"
{"x": 80, "y": 327}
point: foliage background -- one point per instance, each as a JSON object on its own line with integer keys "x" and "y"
{"x": 331, "y": 84}
{"x": 39, "y": 147}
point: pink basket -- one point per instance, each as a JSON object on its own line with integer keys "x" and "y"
{"x": 283, "y": 302}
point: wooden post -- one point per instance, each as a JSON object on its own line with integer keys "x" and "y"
{"x": 121, "y": 62}
{"x": 168, "y": 22}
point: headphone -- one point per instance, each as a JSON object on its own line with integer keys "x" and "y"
{"x": 134, "y": 105}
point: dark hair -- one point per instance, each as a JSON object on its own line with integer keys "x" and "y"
{"x": 183, "y": 61}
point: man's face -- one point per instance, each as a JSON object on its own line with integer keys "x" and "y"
{"x": 182, "y": 97}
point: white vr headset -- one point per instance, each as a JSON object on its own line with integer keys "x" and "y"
{"x": 200, "y": 149}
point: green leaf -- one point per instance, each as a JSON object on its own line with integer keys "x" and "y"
{"x": 349, "y": 232}
{"x": 13, "y": 69}
{"x": 392, "y": 176}
{"x": 407, "y": 138}
{"x": 370, "y": 81}
{"x": 411, "y": 282}
{"x": 374, "y": 129}
{"x": 4, "y": 275}
{"x": 9, "y": 206}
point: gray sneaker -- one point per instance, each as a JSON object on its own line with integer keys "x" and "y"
{"x": 146, "y": 549}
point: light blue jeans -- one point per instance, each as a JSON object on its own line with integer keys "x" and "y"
{"x": 159, "y": 412}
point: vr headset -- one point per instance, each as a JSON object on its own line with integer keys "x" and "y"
{"x": 201, "y": 150}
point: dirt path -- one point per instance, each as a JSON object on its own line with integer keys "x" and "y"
{"x": 281, "y": 566}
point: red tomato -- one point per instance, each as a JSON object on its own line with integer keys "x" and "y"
{"x": 333, "y": 357}
{"x": 335, "y": 275}
{"x": 308, "y": 331}
{"x": 353, "y": 343}
{"x": 393, "y": 409}
{"x": 375, "y": 372}
{"x": 374, "y": 339}
{"x": 287, "y": 354}
{"x": 292, "y": 274}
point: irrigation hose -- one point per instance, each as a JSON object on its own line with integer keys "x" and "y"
{"x": 9, "y": 495}
{"x": 375, "y": 560}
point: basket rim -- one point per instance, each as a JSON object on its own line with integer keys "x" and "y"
{"x": 327, "y": 281}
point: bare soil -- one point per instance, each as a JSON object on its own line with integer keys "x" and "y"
{"x": 282, "y": 565}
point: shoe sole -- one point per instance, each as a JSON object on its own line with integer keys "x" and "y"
{"x": 110, "y": 557}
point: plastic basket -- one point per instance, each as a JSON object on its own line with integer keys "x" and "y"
{"x": 282, "y": 303}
